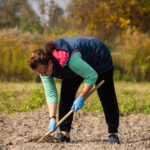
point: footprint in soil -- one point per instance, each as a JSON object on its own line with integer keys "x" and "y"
{"x": 47, "y": 139}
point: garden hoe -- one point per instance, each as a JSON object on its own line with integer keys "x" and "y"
{"x": 69, "y": 113}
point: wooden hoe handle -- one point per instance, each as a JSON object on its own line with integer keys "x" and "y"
{"x": 71, "y": 111}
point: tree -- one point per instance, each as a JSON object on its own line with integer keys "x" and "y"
{"x": 56, "y": 22}
{"x": 56, "y": 16}
{"x": 109, "y": 17}
{"x": 16, "y": 12}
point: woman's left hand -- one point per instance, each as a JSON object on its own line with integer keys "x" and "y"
{"x": 78, "y": 103}
{"x": 52, "y": 125}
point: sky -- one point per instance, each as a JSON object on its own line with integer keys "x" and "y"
{"x": 44, "y": 18}
{"x": 62, "y": 3}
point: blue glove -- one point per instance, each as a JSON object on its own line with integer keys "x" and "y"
{"x": 52, "y": 125}
{"x": 78, "y": 103}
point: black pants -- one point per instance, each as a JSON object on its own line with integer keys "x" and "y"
{"x": 107, "y": 96}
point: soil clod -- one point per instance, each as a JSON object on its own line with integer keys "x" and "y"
{"x": 10, "y": 143}
{"x": 47, "y": 139}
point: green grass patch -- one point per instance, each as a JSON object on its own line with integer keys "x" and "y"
{"x": 131, "y": 100}
{"x": 12, "y": 101}
{"x": 24, "y": 97}
{"x": 34, "y": 101}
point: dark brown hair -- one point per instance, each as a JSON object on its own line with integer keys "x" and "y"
{"x": 42, "y": 56}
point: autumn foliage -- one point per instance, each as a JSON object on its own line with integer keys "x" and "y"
{"x": 107, "y": 18}
{"x": 124, "y": 25}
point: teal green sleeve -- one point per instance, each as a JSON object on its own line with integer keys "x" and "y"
{"x": 80, "y": 67}
{"x": 50, "y": 89}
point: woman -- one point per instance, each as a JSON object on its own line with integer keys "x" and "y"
{"x": 73, "y": 60}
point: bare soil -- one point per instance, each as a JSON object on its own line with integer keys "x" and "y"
{"x": 21, "y": 131}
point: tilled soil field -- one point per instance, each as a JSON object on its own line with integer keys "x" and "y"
{"x": 21, "y": 131}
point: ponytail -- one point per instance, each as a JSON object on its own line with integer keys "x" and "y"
{"x": 49, "y": 47}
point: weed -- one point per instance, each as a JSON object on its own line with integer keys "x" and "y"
{"x": 132, "y": 98}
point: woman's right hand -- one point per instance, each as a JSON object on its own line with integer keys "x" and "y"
{"x": 52, "y": 125}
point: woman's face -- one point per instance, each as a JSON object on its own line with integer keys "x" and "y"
{"x": 44, "y": 70}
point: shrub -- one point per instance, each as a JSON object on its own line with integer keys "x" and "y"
{"x": 132, "y": 56}
{"x": 15, "y": 49}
